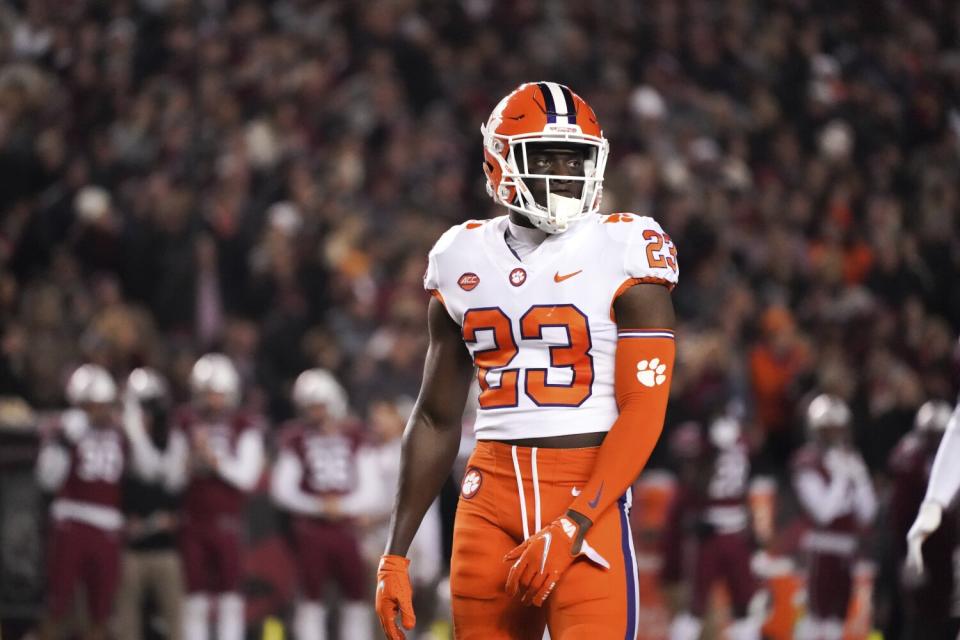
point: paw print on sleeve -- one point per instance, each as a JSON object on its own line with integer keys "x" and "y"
{"x": 651, "y": 373}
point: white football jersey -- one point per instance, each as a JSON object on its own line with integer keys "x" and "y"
{"x": 541, "y": 331}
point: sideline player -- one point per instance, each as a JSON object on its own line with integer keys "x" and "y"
{"x": 224, "y": 463}
{"x": 941, "y": 491}
{"x": 83, "y": 462}
{"x": 151, "y": 567}
{"x": 567, "y": 317}
{"x": 317, "y": 468}
{"x": 927, "y": 603}
{"x": 835, "y": 490}
{"x": 711, "y": 510}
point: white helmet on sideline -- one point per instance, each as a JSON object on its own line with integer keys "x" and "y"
{"x": 933, "y": 416}
{"x": 89, "y": 384}
{"x": 215, "y": 373}
{"x": 827, "y": 411}
{"x": 319, "y": 386}
{"x": 147, "y": 384}
{"x": 724, "y": 432}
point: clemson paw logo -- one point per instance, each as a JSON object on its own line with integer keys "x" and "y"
{"x": 650, "y": 373}
{"x": 471, "y": 483}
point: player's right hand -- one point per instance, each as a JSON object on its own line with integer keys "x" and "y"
{"x": 394, "y": 595}
{"x": 928, "y": 521}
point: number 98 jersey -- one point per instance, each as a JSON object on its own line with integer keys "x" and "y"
{"x": 541, "y": 331}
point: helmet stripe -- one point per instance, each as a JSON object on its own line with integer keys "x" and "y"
{"x": 571, "y": 109}
{"x": 548, "y": 102}
{"x": 558, "y": 100}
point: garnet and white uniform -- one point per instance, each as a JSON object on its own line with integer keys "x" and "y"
{"x": 313, "y": 466}
{"x": 716, "y": 513}
{"x": 931, "y": 603}
{"x": 83, "y": 465}
{"x": 542, "y": 334}
{"x": 211, "y": 536}
{"x": 836, "y": 493}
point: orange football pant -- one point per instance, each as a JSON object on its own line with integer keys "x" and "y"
{"x": 508, "y": 493}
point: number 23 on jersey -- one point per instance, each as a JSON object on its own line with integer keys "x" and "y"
{"x": 575, "y": 356}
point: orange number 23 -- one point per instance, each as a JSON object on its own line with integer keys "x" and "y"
{"x": 575, "y": 355}
{"x": 655, "y": 257}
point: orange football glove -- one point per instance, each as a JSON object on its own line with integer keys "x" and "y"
{"x": 394, "y": 594}
{"x": 539, "y": 562}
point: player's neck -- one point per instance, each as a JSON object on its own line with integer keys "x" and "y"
{"x": 524, "y": 233}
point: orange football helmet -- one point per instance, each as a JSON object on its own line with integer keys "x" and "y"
{"x": 538, "y": 112}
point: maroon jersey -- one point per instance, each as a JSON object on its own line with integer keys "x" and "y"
{"x": 811, "y": 458}
{"x": 329, "y": 460}
{"x": 97, "y": 461}
{"x": 910, "y": 463}
{"x": 723, "y": 501}
{"x": 207, "y": 495}
{"x": 714, "y": 490}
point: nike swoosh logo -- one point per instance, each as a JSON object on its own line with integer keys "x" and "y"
{"x": 546, "y": 551}
{"x": 560, "y": 278}
{"x": 596, "y": 499}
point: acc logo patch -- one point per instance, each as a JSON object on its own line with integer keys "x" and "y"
{"x": 518, "y": 276}
{"x": 469, "y": 281}
{"x": 472, "y": 480}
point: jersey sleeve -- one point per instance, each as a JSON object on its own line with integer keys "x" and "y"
{"x": 440, "y": 279}
{"x": 650, "y": 254}
{"x": 433, "y": 279}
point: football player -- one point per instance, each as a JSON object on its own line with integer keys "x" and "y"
{"x": 224, "y": 463}
{"x": 712, "y": 504}
{"x": 151, "y": 563}
{"x": 82, "y": 462}
{"x": 836, "y": 493}
{"x": 316, "y": 467}
{"x": 928, "y": 596}
{"x": 567, "y": 321}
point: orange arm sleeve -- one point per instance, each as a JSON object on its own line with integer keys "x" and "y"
{"x": 644, "y": 369}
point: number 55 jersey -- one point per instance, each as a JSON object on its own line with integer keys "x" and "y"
{"x": 542, "y": 331}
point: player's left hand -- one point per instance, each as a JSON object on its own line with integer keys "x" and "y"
{"x": 394, "y": 596}
{"x": 539, "y": 562}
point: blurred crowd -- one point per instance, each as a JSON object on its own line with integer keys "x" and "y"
{"x": 265, "y": 179}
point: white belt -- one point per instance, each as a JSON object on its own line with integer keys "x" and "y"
{"x": 95, "y": 515}
{"x": 841, "y": 544}
{"x": 727, "y": 519}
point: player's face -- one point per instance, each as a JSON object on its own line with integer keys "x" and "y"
{"x": 214, "y": 402}
{"x": 317, "y": 415}
{"x": 555, "y": 161}
{"x": 834, "y": 436}
{"x": 100, "y": 413}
